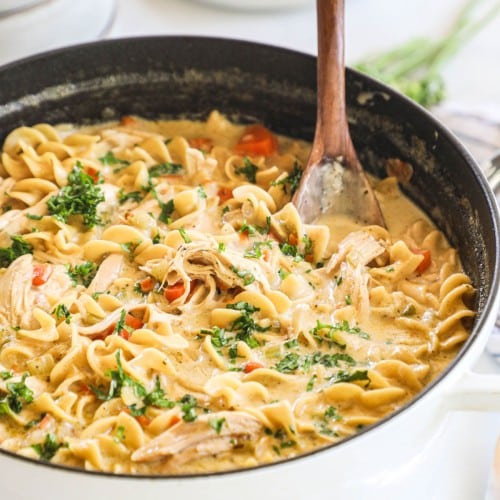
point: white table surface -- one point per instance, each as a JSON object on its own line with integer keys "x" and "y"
{"x": 473, "y": 82}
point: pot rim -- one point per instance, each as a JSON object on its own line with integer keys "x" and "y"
{"x": 480, "y": 320}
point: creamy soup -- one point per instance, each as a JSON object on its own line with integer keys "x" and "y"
{"x": 164, "y": 310}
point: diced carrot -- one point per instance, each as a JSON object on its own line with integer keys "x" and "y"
{"x": 45, "y": 421}
{"x": 127, "y": 120}
{"x": 292, "y": 239}
{"x": 143, "y": 420}
{"x": 85, "y": 389}
{"x": 93, "y": 172}
{"x": 202, "y": 143}
{"x": 174, "y": 420}
{"x": 41, "y": 273}
{"x": 426, "y": 261}
{"x": 250, "y": 366}
{"x": 224, "y": 194}
{"x": 174, "y": 291}
{"x": 133, "y": 322}
{"x": 147, "y": 284}
{"x": 257, "y": 140}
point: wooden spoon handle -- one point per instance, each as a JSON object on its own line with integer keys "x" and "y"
{"x": 332, "y": 117}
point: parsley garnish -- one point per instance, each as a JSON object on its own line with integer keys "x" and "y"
{"x": 19, "y": 395}
{"x": 10, "y": 254}
{"x": 217, "y": 336}
{"x": 249, "y": 170}
{"x": 34, "y": 217}
{"x": 346, "y": 376}
{"x": 292, "y": 180}
{"x": 49, "y": 447}
{"x": 184, "y": 235}
{"x": 80, "y": 196}
{"x": 61, "y": 311}
{"x": 216, "y": 424}
{"x": 201, "y": 193}
{"x": 82, "y": 273}
{"x": 119, "y": 379}
{"x": 256, "y": 251}
{"x": 246, "y": 275}
{"x": 132, "y": 195}
{"x": 110, "y": 159}
{"x": 166, "y": 168}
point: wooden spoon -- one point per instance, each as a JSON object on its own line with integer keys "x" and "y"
{"x": 334, "y": 181}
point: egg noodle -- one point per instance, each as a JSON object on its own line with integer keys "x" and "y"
{"x": 164, "y": 310}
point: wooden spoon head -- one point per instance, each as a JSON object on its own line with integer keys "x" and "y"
{"x": 330, "y": 188}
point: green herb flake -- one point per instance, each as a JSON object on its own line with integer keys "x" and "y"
{"x": 249, "y": 170}
{"x": 110, "y": 159}
{"x": 62, "y": 312}
{"x": 291, "y": 182}
{"x": 81, "y": 196}
{"x": 311, "y": 382}
{"x": 255, "y": 252}
{"x": 18, "y": 247}
{"x": 82, "y": 273}
{"x": 136, "y": 196}
{"x": 34, "y": 217}
{"x": 216, "y": 424}
{"x": 184, "y": 235}
{"x": 246, "y": 275}
{"x": 166, "y": 168}
{"x": 201, "y": 193}
{"x": 221, "y": 247}
{"x": 47, "y": 450}
{"x": 5, "y": 375}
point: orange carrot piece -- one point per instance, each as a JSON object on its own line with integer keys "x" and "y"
{"x": 174, "y": 291}
{"x": 257, "y": 140}
{"x": 426, "y": 261}
{"x": 41, "y": 273}
{"x": 250, "y": 366}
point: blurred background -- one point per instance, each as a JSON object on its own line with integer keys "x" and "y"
{"x": 453, "y": 68}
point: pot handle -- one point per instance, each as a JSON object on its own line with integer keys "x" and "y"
{"x": 474, "y": 392}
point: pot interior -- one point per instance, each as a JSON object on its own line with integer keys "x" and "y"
{"x": 168, "y": 77}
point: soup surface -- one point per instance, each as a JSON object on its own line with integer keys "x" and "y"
{"x": 164, "y": 310}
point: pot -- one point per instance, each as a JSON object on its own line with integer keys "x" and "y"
{"x": 166, "y": 77}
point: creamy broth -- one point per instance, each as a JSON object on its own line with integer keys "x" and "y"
{"x": 164, "y": 310}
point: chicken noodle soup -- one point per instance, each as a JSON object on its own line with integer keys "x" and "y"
{"x": 164, "y": 310}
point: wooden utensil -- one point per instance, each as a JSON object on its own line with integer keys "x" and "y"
{"x": 334, "y": 181}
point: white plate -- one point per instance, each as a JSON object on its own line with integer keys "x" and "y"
{"x": 256, "y": 4}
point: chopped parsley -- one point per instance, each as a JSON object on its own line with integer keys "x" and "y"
{"x": 110, "y": 159}
{"x": 201, "y": 193}
{"x": 216, "y": 424}
{"x": 217, "y": 336}
{"x": 409, "y": 310}
{"x": 49, "y": 447}
{"x": 80, "y": 196}
{"x": 184, "y": 235}
{"x": 166, "y": 168}
{"x": 132, "y": 195}
{"x": 5, "y": 375}
{"x": 119, "y": 379}
{"x": 19, "y": 395}
{"x": 256, "y": 251}
{"x": 19, "y": 247}
{"x": 347, "y": 376}
{"x": 82, "y": 273}
{"x": 291, "y": 182}
{"x": 221, "y": 247}
{"x": 34, "y": 217}
{"x": 246, "y": 275}
{"x": 62, "y": 312}
{"x": 249, "y": 170}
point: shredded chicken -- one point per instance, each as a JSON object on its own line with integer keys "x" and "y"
{"x": 18, "y": 296}
{"x": 199, "y": 438}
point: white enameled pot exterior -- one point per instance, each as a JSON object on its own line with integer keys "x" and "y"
{"x": 377, "y": 464}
